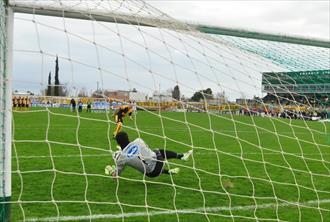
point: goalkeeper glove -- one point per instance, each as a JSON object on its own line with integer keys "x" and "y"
{"x": 116, "y": 154}
{"x": 109, "y": 170}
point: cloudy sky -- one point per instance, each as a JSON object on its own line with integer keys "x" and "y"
{"x": 289, "y": 17}
{"x": 149, "y": 59}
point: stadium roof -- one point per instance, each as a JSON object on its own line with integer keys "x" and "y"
{"x": 314, "y": 81}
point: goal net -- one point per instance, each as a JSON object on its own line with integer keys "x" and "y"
{"x": 254, "y": 111}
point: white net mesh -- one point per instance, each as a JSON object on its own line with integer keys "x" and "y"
{"x": 257, "y": 156}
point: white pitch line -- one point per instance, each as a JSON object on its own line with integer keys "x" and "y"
{"x": 182, "y": 211}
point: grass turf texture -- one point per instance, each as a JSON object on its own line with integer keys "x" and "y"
{"x": 248, "y": 161}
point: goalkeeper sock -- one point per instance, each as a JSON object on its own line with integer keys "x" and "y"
{"x": 170, "y": 154}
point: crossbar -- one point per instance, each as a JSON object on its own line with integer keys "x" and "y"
{"x": 150, "y": 22}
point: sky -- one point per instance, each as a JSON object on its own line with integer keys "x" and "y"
{"x": 292, "y": 17}
{"x": 150, "y": 59}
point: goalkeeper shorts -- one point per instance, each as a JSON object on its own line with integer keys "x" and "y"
{"x": 159, "y": 165}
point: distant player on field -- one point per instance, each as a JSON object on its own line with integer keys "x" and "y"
{"x": 119, "y": 114}
{"x": 15, "y": 102}
{"x": 138, "y": 155}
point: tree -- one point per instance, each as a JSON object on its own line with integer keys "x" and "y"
{"x": 57, "y": 80}
{"x": 202, "y": 94}
{"x": 208, "y": 93}
{"x": 176, "y": 93}
{"x": 49, "y": 86}
{"x": 57, "y": 89}
{"x": 197, "y": 96}
{"x": 134, "y": 90}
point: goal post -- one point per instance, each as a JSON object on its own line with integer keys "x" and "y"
{"x": 5, "y": 108}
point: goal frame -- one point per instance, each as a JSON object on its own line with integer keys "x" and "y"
{"x": 6, "y": 67}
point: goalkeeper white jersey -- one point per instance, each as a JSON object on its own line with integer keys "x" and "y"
{"x": 138, "y": 155}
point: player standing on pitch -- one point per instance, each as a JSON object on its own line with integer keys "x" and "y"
{"x": 138, "y": 155}
{"x": 119, "y": 114}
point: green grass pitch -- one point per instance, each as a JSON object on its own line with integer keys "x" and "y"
{"x": 242, "y": 170}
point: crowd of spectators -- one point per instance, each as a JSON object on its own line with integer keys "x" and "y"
{"x": 316, "y": 114}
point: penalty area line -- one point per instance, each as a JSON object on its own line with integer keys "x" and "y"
{"x": 180, "y": 211}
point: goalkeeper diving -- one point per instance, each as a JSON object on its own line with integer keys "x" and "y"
{"x": 138, "y": 155}
{"x": 119, "y": 114}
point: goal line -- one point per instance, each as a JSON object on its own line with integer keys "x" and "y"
{"x": 200, "y": 210}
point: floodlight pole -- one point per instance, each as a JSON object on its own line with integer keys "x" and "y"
{"x": 6, "y": 55}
